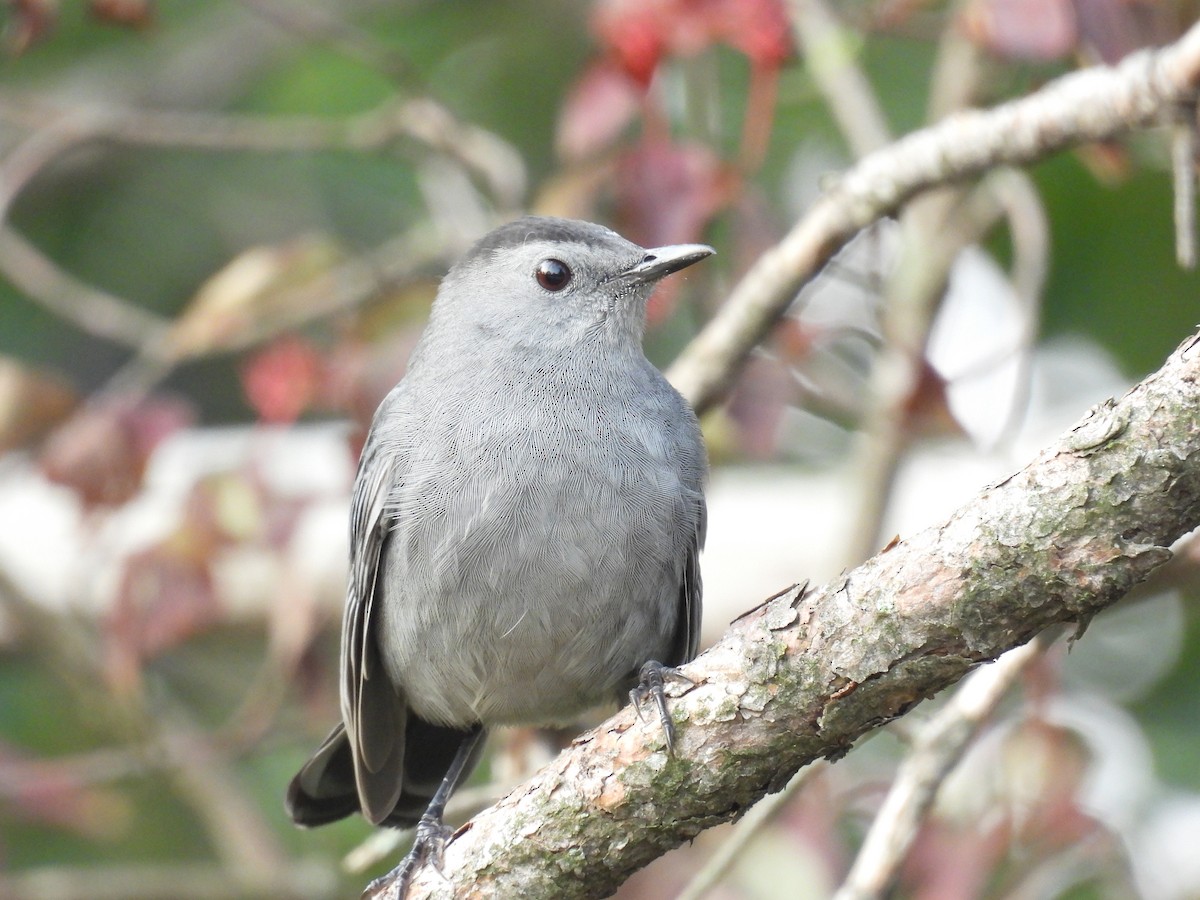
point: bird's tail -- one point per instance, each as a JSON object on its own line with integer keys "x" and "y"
{"x": 324, "y": 791}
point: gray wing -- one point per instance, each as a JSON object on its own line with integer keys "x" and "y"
{"x": 687, "y": 642}
{"x": 695, "y": 469}
{"x": 373, "y": 709}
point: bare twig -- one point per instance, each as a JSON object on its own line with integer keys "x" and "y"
{"x": 420, "y": 119}
{"x": 1183, "y": 168}
{"x": 760, "y": 816}
{"x": 908, "y": 310}
{"x": 934, "y": 229}
{"x": 828, "y": 52}
{"x": 96, "y": 312}
{"x": 59, "y": 128}
{"x": 1029, "y": 230}
{"x": 929, "y": 246}
{"x": 297, "y": 881}
{"x": 31, "y": 155}
{"x": 939, "y": 746}
{"x": 317, "y": 25}
{"x": 110, "y": 317}
{"x": 1091, "y": 105}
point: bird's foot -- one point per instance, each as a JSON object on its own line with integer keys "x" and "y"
{"x": 429, "y": 845}
{"x": 651, "y": 682}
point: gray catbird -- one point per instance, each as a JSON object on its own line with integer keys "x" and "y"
{"x": 524, "y": 527}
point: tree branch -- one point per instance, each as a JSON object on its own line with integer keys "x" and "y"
{"x": 805, "y": 675}
{"x": 1093, "y": 105}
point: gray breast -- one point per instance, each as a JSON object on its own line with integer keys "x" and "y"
{"x": 533, "y": 565}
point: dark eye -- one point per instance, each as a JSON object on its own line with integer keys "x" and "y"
{"x": 553, "y": 274}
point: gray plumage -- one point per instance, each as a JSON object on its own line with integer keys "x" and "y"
{"x": 525, "y": 522}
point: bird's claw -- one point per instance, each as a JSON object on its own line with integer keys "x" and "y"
{"x": 651, "y": 684}
{"x": 429, "y": 847}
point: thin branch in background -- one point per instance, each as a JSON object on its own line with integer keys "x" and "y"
{"x": 235, "y": 825}
{"x": 954, "y": 83}
{"x": 299, "y": 880}
{"x": 1091, "y": 105}
{"x": 345, "y": 287}
{"x": 912, "y": 296}
{"x": 1011, "y": 194}
{"x": 938, "y": 747}
{"x": 829, "y": 49}
{"x": 480, "y": 150}
{"x": 761, "y": 815}
{"x": 29, "y": 157}
{"x": 96, "y": 312}
{"x": 316, "y": 26}
{"x": 422, "y": 119}
{"x": 1183, "y": 169}
{"x": 931, "y": 241}
{"x": 59, "y": 128}
{"x": 1029, "y": 230}
{"x": 849, "y": 95}
{"x": 1029, "y": 233}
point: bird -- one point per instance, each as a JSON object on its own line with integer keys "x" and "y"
{"x": 525, "y": 526}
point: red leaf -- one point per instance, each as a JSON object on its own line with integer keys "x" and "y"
{"x": 633, "y": 33}
{"x": 51, "y": 793}
{"x": 758, "y": 28}
{"x": 668, "y": 192}
{"x": 101, "y": 452}
{"x": 601, "y": 104}
{"x": 29, "y": 22}
{"x": 135, "y": 14}
{"x": 1115, "y": 28}
{"x": 281, "y": 381}
{"x": 165, "y": 596}
{"x": 640, "y": 33}
{"x": 1023, "y": 29}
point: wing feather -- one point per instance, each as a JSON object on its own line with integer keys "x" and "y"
{"x": 687, "y": 638}
{"x": 373, "y": 709}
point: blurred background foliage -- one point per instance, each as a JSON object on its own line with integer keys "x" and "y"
{"x": 222, "y": 226}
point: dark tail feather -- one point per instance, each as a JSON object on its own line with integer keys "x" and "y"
{"x": 323, "y": 791}
{"x": 429, "y": 751}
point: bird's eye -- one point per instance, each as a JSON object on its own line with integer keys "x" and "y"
{"x": 553, "y": 274}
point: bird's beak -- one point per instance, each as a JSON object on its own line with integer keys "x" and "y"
{"x": 662, "y": 261}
